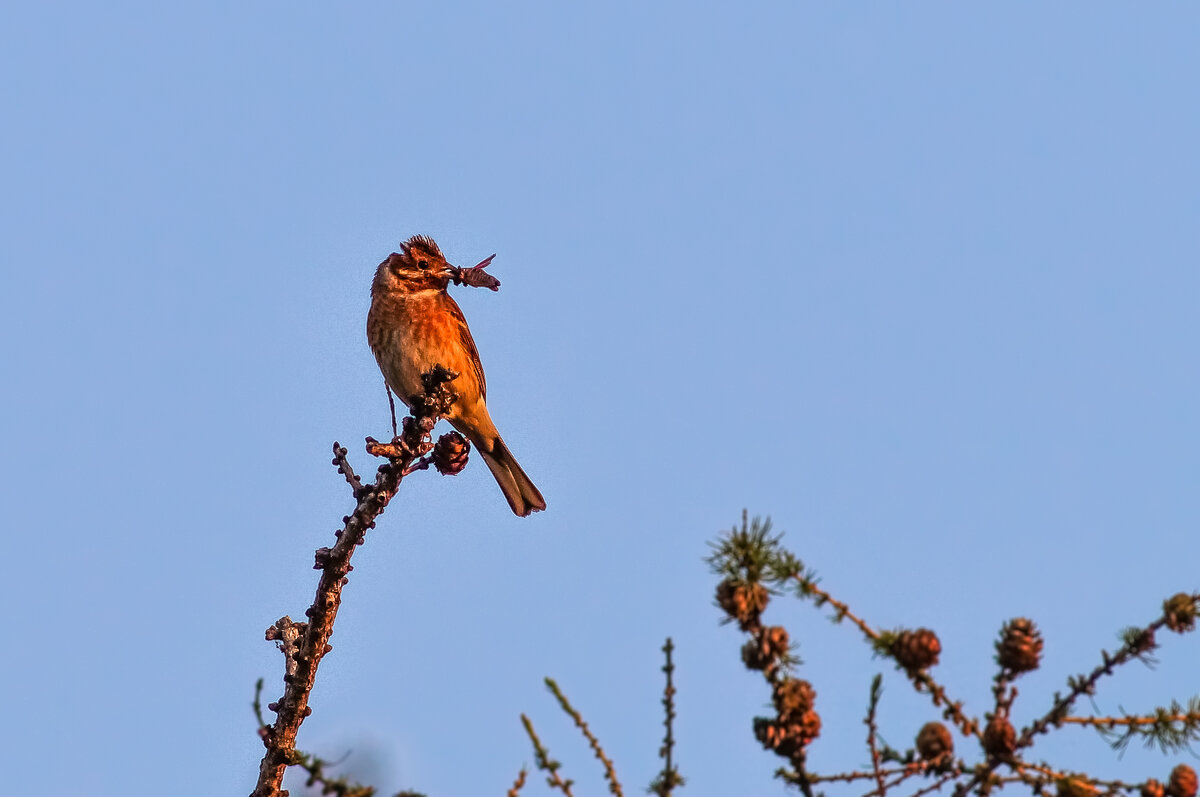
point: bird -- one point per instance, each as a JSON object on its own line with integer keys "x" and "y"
{"x": 413, "y": 325}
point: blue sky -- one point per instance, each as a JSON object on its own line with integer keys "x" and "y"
{"x": 917, "y": 281}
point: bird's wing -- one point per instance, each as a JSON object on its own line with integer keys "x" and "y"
{"x": 464, "y": 333}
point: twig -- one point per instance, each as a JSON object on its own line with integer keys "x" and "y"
{"x": 392, "y": 407}
{"x": 923, "y": 681}
{"x": 340, "y": 786}
{"x": 518, "y": 784}
{"x": 669, "y": 778}
{"x": 257, "y": 706}
{"x": 305, "y": 644}
{"x": 872, "y": 730}
{"x": 1087, "y": 685}
{"x": 544, "y": 762}
{"x": 809, "y": 587}
{"x": 850, "y": 777}
{"x": 610, "y": 773}
{"x": 937, "y": 784}
{"x": 1113, "y": 722}
{"x": 1047, "y": 774}
{"x": 1172, "y": 727}
{"x": 894, "y": 782}
{"x": 344, "y": 468}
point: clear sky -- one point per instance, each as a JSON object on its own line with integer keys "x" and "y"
{"x": 918, "y": 280}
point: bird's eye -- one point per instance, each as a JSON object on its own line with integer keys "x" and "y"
{"x": 423, "y": 265}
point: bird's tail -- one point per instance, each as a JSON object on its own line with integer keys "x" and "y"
{"x": 521, "y": 493}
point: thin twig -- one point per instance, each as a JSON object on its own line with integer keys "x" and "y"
{"x": 843, "y": 610}
{"x": 392, "y": 406}
{"x": 669, "y": 778}
{"x": 893, "y": 783}
{"x": 668, "y": 702}
{"x": 541, "y": 757}
{"x": 1047, "y": 774}
{"x": 610, "y": 774}
{"x": 257, "y": 706}
{"x": 873, "y": 729}
{"x": 923, "y": 681}
{"x": 1132, "y": 721}
{"x": 518, "y": 784}
{"x": 339, "y": 786}
{"x": 937, "y": 784}
{"x": 850, "y": 777}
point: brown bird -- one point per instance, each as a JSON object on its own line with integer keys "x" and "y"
{"x": 414, "y": 325}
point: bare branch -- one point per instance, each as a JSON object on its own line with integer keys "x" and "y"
{"x": 669, "y": 778}
{"x": 541, "y": 757}
{"x": 610, "y": 773}
{"x": 305, "y": 644}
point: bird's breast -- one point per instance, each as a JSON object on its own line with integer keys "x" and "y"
{"x": 410, "y": 334}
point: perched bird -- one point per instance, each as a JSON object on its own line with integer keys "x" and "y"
{"x": 414, "y": 325}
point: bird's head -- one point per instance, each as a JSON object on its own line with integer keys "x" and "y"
{"x": 418, "y": 266}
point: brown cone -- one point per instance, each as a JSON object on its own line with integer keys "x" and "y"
{"x": 1180, "y": 611}
{"x": 450, "y": 454}
{"x": 1000, "y": 737}
{"x": 1020, "y": 646}
{"x": 793, "y": 699}
{"x": 787, "y": 739}
{"x": 934, "y": 743}
{"x": 1182, "y": 782}
{"x": 742, "y": 602}
{"x": 916, "y": 650}
{"x": 765, "y": 649}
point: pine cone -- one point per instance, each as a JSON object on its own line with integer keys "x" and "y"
{"x": 916, "y": 650}
{"x": 1180, "y": 611}
{"x": 1152, "y": 788}
{"x": 1182, "y": 782}
{"x": 753, "y": 655}
{"x": 793, "y": 699}
{"x": 1000, "y": 737}
{"x": 807, "y": 727}
{"x": 1020, "y": 646}
{"x": 764, "y": 650}
{"x": 776, "y": 639}
{"x": 1142, "y": 642}
{"x": 450, "y": 454}
{"x": 742, "y": 602}
{"x": 787, "y": 739}
{"x": 934, "y": 743}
